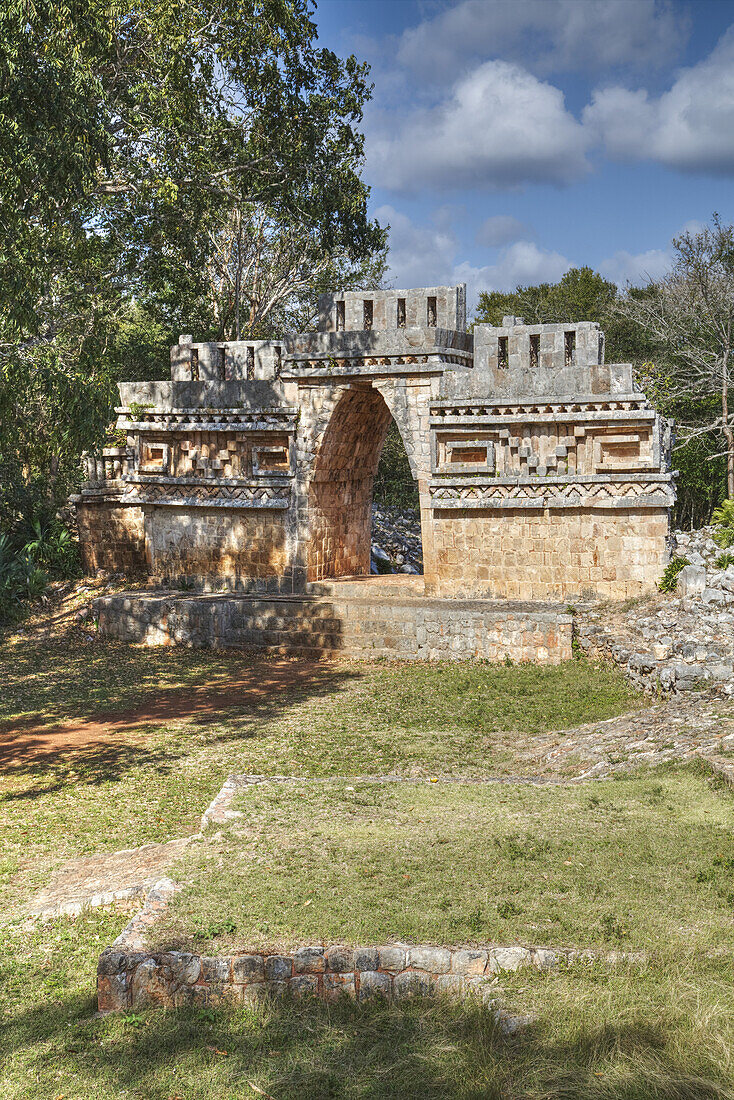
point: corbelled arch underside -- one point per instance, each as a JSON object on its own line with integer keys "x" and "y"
{"x": 340, "y": 490}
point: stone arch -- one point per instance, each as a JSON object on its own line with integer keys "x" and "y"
{"x": 340, "y": 489}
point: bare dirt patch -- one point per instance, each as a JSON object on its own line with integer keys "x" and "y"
{"x": 25, "y": 740}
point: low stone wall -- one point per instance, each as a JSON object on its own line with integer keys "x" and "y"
{"x": 132, "y": 976}
{"x": 360, "y": 627}
{"x": 171, "y": 979}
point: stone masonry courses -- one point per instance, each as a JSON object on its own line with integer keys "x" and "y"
{"x": 133, "y": 976}
{"x": 542, "y": 472}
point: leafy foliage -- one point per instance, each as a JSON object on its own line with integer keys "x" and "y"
{"x": 20, "y": 578}
{"x": 394, "y": 484}
{"x": 723, "y": 520}
{"x": 48, "y": 550}
{"x": 669, "y": 580}
{"x": 689, "y": 316}
{"x": 131, "y": 139}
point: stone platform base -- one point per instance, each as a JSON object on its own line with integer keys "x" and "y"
{"x": 385, "y": 623}
{"x": 134, "y": 975}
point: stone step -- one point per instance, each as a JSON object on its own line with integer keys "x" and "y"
{"x": 388, "y": 584}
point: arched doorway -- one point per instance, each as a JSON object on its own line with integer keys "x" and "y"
{"x": 340, "y": 490}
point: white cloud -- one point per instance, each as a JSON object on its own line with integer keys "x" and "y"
{"x": 637, "y": 268}
{"x": 499, "y": 128}
{"x": 546, "y": 35}
{"x": 419, "y": 256}
{"x": 522, "y": 264}
{"x": 690, "y": 127}
{"x": 502, "y": 229}
{"x": 427, "y": 256}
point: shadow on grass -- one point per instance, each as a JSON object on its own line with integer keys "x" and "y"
{"x": 98, "y": 746}
{"x": 51, "y": 683}
{"x": 310, "y": 1050}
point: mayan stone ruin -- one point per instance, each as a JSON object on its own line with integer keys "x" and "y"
{"x": 543, "y": 473}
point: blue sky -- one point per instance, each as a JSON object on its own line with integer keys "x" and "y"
{"x": 508, "y": 140}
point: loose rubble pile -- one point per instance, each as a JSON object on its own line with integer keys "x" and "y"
{"x": 396, "y": 540}
{"x": 698, "y": 546}
{"x": 679, "y": 642}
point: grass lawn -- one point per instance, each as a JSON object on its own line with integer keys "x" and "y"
{"x": 162, "y": 729}
{"x": 649, "y": 866}
{"x": 639, "y": 862}
{"x": 661, "y": 1032}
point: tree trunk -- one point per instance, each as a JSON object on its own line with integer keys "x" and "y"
{"x": 728, "y": 433}
{"x": 238, "y": 275}
{"x": 729, "y": 437}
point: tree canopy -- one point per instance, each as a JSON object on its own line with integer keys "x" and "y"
{"x": 689, "y": 315}
{"x": 132, "y": 139}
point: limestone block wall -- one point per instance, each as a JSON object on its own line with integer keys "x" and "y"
{"x": 218, "y": 547}
{"x": 542, "y": 471}
{"x": 420, "y": 628}
{"x": 225, "y": 361}
{"x": 133, "y": 979}
{"x": 388, "y": 310}
{"x": 549, "y": 554}
{"x": 111, "y": 537}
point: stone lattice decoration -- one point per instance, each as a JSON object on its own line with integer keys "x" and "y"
{"x": 543, "y": 473}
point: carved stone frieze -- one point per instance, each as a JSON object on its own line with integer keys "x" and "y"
{"x": 210, "y": 496}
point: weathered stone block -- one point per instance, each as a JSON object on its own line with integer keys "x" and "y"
{"x": 374, "y": 984}
{"x": 114, "y": 992}
{"x": 366, "y": 958}
{"x": 339, "y": 985}
{"x": 508, "y": 958}
{"x": 691, "y": 580}
{"x": 391, "y": 957}
{"x": 248, "y": 968}
{"x": 412, "y": 983}
{"x": 278, "y": 968}
{"x": 309, "y": 960}
{"x": 151, "y": 985}
{"x": 451, "y": 984}
{"x": 185, "y": 968}
{"x": 215, "y": 969}
{"x": 437, "y": 960}
{"x": 304, "y": 984}
{"x": 339, "y": 959}
{"x": 468, "y": 962}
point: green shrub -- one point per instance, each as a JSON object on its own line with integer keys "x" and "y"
{"x": 724, "y": 560}
{"x": 723, "y": 519}
{"x": 52, "y": 546}
{"x": 21, "y": 578}
{"x": 394, "y": 484}
{"x": 31, "y": 553}
{"x": 669, "y": 579}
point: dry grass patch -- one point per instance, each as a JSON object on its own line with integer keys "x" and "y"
{"x": 663, "y": 1032}
{"x": 150, "y": 735}
{"x": 637, "y": 862}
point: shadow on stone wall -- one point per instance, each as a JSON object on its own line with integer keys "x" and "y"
{"x": 297, "y": 626}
